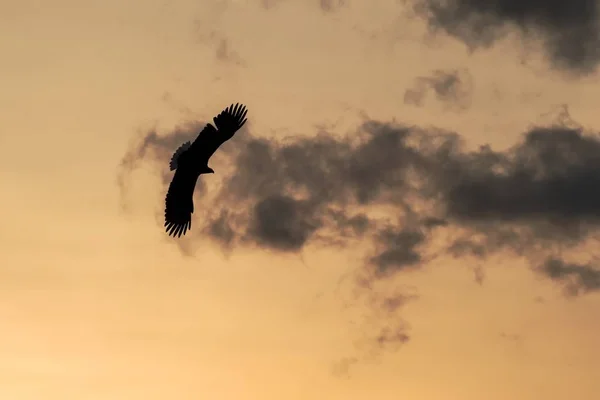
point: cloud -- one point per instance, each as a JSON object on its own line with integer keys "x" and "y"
{"x": 576, "y": 278}
{"x": 551, "y": 179}
{"x": 398, "y": 188}
{"x": 320, "y": 190}
{"x": 454, "y": 88}
{"x": 568, "y": 30}
{"x": 398, "y": 248}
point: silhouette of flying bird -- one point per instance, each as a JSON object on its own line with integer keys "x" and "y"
{"x": 190, "y": 161}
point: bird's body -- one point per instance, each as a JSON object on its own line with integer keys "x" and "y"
{"x": 190, "y": 161}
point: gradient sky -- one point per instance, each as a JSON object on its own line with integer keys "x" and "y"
{"x": 97, "y": 303}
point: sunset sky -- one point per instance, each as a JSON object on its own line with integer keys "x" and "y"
{"x": 358, "y": 239}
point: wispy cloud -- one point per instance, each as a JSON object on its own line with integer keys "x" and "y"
{"x": 332, "y": 5}
{"x": 453, "y": 88}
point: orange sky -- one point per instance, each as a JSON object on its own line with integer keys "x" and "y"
{"x": 98, "y": 304}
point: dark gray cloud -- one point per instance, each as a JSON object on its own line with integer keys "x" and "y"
{"x": 453, "y": 88}
{"x": 400, "y": 189}
{"x": 576, "y": 278}
{"x": 568, "y": 30}
{"x": 320, "y": 190}
{"x": 282, "y": 222}
{"x": 550, "y": 178}
{"x": 398, "y": 248}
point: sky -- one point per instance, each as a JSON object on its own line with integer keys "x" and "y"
{"x": 410, "y": 212}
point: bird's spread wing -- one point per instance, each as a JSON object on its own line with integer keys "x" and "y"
{"x": 174, "y": 163}
{"x": 227, "y": 123}
{"x": 180, "y": 196}
{"x": 179, "y": 203}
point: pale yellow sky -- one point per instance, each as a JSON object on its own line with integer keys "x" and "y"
{"x": 95, "y": 304}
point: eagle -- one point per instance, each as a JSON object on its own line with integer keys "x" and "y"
{"x": 190, "y": 161}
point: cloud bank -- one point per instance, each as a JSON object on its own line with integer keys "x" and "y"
{"x": 407, "y": 194}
